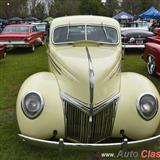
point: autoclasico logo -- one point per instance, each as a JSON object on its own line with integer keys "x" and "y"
{"x": 150, "y": 154}
{"x": 127, "y": 154}
{"x": 143, "y": 154}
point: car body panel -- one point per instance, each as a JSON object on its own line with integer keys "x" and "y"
{"x": 50, "y": 92}
{"x": 132, "y": 122}
{"x": 152, "y": 48}
{"x": 76, "y": 77}
{"x": 54, "y": 114}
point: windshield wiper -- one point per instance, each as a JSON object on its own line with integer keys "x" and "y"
{"x": 104, "y": 30}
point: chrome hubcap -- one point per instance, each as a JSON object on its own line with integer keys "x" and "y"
{"x": 151, "y": 65}
{"x": 33, "y": 48}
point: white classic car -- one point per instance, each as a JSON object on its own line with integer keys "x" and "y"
{"x": 85, "y": 100}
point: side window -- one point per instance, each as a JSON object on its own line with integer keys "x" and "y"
{"x": 34, "y": 29}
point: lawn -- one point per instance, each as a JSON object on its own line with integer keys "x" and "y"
{"x": 14, "y": 69}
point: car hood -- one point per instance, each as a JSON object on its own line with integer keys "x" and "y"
{"x": 81, "y": 70}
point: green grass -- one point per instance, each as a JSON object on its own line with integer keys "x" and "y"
{"x": 133, "y": 62}
{"x": 14, "y": 69}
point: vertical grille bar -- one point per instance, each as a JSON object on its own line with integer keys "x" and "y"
{"x": 77, "y": 122}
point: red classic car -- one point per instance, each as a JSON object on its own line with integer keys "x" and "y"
{"x": 21, "y": 35}
{"x": 152, "y": 54}
{"x": 2, "y": 51}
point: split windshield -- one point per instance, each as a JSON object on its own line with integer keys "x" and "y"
{"x": 102, "y": 34}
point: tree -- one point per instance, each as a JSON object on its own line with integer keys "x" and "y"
{"x": 92, "y": 7}
{"x": 137, "y": 6}
{"x": 111, "y": 7}
{"x": 13, "y": 8}
{"x": 39, "y": 11}
{"x": 64, "y": 7}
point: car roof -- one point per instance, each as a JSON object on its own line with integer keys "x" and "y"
{"x": 22, "y": 24}
{"x": 135, "y": 31}
{"x": 85, "y": 19}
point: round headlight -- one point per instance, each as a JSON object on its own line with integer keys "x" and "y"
{"x": 132, "y": 39}
{"x": 32, "y": 104}
{"x": 147, "y": 106}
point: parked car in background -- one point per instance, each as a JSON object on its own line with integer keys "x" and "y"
{"x": 156, "y": 30}
{"x": 152, "y": 54}
{"x": 143, "y": 25}
{"x": 42, "y": 27}
{"x": 21, "y": 35}
{"x": 135, "y": 38}
{"x": 2, "y": 51}
{"x": 85, "y": 100}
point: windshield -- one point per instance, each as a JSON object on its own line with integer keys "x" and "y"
{"x": 140, "y": 24}
{"x": 135, "y": 24}
{"x": 68, "y": 34}
{"x": 16, "y": 29}
{"x": 41, "y": 27}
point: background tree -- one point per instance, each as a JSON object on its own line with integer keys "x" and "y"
{"x": 12, "y": 8}
{"x": 56, "y": 8}
{"x": 111, "y": 7}
{"x": 92, "y": 7}
{"x": 39, "y": 11}
{"x": 64, "y": 7}
{"x": 137, "y": 6}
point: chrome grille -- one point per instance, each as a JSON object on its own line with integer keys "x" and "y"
{"x": 79, "y": 128}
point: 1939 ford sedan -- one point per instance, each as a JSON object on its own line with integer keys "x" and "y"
{"x": 85, "y": 100}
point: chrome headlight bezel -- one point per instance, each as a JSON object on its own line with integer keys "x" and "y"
{"x": 140, "y": 110}
{"x": 25, "y": 110}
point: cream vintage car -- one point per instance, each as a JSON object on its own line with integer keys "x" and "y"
{"x": 85, "y": 100}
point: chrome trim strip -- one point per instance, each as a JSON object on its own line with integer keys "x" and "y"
{"x": 139, "y": 110}
{"x": 91, "y": 79}
{"x": 133, "y": 46}
{"x": 85, "y": 107}
{"x": 100, "y": 106}
{"x": 88, "y": 145}
{"x": 14, "y": 42}
{"x": 57, "y": 68}
{"x": 78, "y": 104}
{"x": 42, "y": 105}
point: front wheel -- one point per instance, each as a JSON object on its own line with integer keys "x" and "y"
{"x": 151, "y": 65}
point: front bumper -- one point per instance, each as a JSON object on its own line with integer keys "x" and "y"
{"x": 61, "y": 144}
{"x": 133, "y": 46}
{"x": 10, "y": 44}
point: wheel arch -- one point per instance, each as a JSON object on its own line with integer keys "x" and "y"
{"x": 45, "y": 124}
{"x": 127, "y": 117}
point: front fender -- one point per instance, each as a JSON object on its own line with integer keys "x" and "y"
{"x": 52, "y": 116}
{"x": 127, "y": 117}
